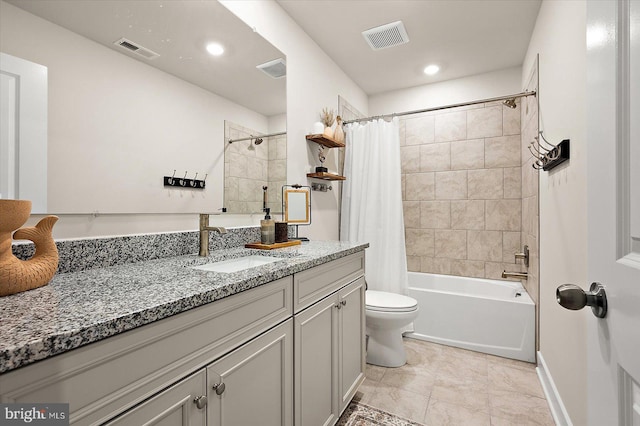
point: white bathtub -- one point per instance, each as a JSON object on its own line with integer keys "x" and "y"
{"x": 494, "y": 317}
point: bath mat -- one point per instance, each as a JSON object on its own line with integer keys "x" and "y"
{"x": 358, "y": 414}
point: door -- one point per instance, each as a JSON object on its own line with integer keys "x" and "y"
{"x": 253, "y": 385}
{"x": 316, "y": 369}
{"x": 351, "y": 335}
{"x": 23, "y": 131}
{"x": 613, "y": 140}
{"x": 180, "y": 405}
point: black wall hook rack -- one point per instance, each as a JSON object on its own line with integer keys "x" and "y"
{"x": 184, "y": 182}
{"x": 560, "y": 154}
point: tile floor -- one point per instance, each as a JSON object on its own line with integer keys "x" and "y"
{"x": 442, "y": 385}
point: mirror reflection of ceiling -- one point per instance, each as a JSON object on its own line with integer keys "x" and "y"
{"x": 179, "y": 32}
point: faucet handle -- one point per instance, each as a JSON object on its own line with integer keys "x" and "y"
{"x": 524, "y": 255}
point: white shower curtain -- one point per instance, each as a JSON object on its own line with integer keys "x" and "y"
{"x": 372, "y": 202}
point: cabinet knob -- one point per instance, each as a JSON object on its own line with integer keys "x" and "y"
{"x": 200, "y": 401}
{"x": 219, "y": 388}
{"x": 338, "y": 306}
{"x": 343, "y": 303}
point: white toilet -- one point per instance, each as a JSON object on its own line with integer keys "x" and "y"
{"x": 387, "y": 314}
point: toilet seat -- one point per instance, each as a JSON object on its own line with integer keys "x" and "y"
{"x": 389, "y": 302}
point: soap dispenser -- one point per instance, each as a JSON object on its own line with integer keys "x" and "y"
{"x": 267, "y": 228}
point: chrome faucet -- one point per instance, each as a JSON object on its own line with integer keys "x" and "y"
{"x": 204, "y": 233}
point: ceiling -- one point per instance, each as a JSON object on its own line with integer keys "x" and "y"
{"x": 464, "y": 37}
{"x": 179, "y": 32}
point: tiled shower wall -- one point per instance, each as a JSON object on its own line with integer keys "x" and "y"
{"x": 462, "y": 190}
{"x": 530, "y": 207}
{"x": 249, "y": 167}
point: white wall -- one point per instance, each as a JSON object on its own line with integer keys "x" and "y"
{"x": 314, "y": 81}
{"x": 481, "y": 86}
{"x": 559, "y": 38}
{"x": 116, "y": 127}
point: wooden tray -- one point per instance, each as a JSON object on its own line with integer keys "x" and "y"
{"x": 273, "y": 246}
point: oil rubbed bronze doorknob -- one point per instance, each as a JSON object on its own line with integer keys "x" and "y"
{"x": 572, "y": 297}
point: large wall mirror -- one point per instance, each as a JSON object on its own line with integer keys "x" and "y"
{"x": 133, "y": 95}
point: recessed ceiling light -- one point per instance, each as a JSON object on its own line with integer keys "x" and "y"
{"x": 431, "y": 69}
{"x": 215, "y": 49}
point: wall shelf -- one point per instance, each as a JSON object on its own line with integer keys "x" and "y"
{"x": 325, "y": 176}
{"x": 325, "y": 140}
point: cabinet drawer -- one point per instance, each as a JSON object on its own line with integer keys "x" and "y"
{"x": 103, "y": 379}
{"x": 316, "y": 283}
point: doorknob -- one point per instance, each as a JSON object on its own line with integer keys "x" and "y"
{"x": 572, "y": 297}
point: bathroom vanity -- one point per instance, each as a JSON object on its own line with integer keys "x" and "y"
{"x": 160, "y": 341}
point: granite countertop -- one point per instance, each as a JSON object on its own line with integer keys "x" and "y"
{"x": 79, "y": 308}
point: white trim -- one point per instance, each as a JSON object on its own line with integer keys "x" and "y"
{"x": 558, "y": 410}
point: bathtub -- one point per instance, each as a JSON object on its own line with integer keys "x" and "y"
{"x": 494, "y": 317}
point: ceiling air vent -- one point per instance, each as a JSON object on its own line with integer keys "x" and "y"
{"x": 274, "y": 69}
{"x": 136, "y": 48}
{"x": 387, "y": 35}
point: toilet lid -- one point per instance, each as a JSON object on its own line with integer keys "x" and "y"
{"x": 389, "y": 302}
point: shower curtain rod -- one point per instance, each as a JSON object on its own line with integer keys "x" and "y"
{"x": 419, "y": 111}
{"x": 256, "y": 137}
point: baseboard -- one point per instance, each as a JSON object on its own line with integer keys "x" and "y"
{"x": 558, "y": 410}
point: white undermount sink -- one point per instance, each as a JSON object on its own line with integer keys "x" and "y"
{"x": 239, "y": 264}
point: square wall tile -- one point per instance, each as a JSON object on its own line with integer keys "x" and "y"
{"x": 467, "y": 154}
{"x": 403, "y": 183}
{"x": 419, "y": 242}
{"x": 484, "y": 245}
{"x": 511, "y": 119}
{"x": 410, "y": 159}
{"x": 434, "y": 157}
{"x": 467, "y": 268}
{"x": 434, "y": 265}
{"x": 451, "y": 126}
{"x": 435, "y": 214}
{"x": 484, "y": 122}
{"x": 504, "y": 151}
{"x": 451, "y": 244}
{"x": 413, "y": 263}
{"x": 467, "y": 214}
{"x": 513, "y": 182}
{"x": 511, "y": 244}
{"x": 529, "y": 179}
{"x": 503, "y": 215}
{"x": 420, "y": 186}
{"x": 420, "y": 130}
{"x": 451, "y": 185}
{"x": 486, "y": 184}
{"x": 411, "y": 213}
{"x": 277, "y": 171}
{"x": 237, "y": 164}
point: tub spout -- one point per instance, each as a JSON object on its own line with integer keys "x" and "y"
{"x": 519, "y": 275}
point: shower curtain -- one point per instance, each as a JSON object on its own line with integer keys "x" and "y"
{"x": 372, "y": 202}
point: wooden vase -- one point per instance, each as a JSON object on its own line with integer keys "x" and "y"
{"x": 21, "y": 275}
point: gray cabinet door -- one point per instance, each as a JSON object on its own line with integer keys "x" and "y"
{"x": 175, "y": 406}
{"x": 253, "y": 385}
{"x": 316, "y": 358}
{"x": 352, "y": 344}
